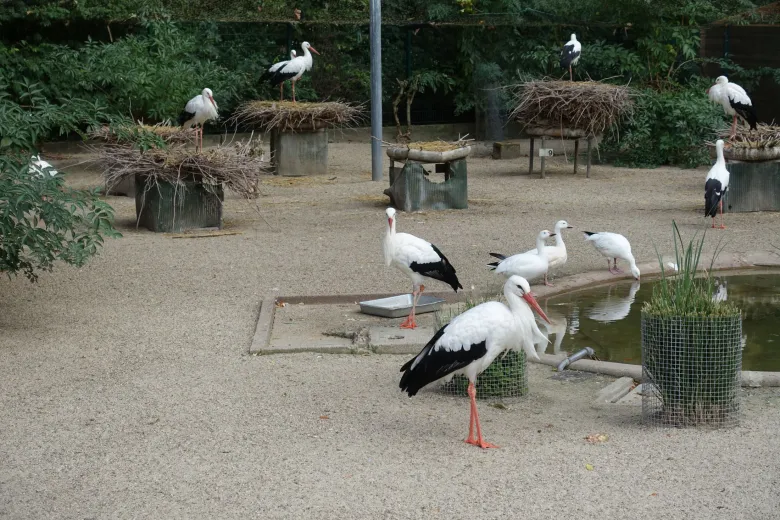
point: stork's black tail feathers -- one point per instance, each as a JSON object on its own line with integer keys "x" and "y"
{"x": 712, "y": 196}
{"x": 751, "y": 117}
{"x": 589, "y": 233}
{"x": 184, "y": 117}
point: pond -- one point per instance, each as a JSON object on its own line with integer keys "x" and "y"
{"x": 607, "y": 318}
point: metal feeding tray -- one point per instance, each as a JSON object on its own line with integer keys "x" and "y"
{"x": 399, "y": 306}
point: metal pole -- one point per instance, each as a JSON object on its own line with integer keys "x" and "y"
{"x": 376, "y": 89}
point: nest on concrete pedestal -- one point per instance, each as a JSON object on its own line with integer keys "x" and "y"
{"x": 587, "y": 106}
{"x": 761, "y": 144}
{"x": 287, "y": 116}
{"x": 237, "y": 167}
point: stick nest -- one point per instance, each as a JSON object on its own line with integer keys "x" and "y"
{"x": 764, "y": 137}
{"x": 289, "y": 116}
{"x": 238, "y": 167}
{"x": 589, "y": 106}
{"x": 169, "y": 134}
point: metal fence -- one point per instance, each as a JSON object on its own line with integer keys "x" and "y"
{"x": 691, "y": 371}
{"x": 505, "y": 377}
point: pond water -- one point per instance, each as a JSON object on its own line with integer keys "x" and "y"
{"x": 607, "y": 318}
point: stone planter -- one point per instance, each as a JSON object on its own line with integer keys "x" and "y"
{"x": 303, "y": 152}
{"x": 691, "y": 370}
{"x": 168, "y": 208}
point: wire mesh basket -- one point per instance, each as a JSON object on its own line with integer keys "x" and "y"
{"x": 691, "y": 371}
{"x": 505, "y": 377}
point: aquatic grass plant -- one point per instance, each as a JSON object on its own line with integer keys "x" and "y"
{"x": 506, "y": 375}
{"x": 691, "y": 345}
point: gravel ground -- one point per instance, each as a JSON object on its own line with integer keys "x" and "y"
{"x": 126, "y": 390}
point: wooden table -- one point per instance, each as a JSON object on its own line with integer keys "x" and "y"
{"x": 558, "y": 133}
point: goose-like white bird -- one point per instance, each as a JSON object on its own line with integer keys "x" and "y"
{"x": 528, "y": 265}
{"x": 417, "y": 259}
{"x": 734, "y": 100}
{"x": 472, "y": 340}
{"x": 40, "y": 168}
{"x": 570, "y": 55}
{"x": 614, "y": 308}
{"x": 715, "y": 186}
{"x": 294, "y": 69}
{"x": 276, "y": 66}
{"x": 613, "y": 245}
{"x": 197, "y": 111}
{"x": 556, "y": 255}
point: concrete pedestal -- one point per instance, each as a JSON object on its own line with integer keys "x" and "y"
{"x": 304, "y": 152}
{"x": 170, "y": 208}
{"x": 753, "y": 186}
{"x": 411, "y": 190}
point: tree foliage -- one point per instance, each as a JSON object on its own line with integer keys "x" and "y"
{"x": 145, "y": 58}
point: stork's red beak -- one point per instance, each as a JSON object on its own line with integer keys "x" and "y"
{"x": 312, "y": 49}
{"x": 535, "y": 306}
{"x": 390, "y": 221}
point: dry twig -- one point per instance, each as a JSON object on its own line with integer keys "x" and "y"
{"x": 589, "y": 106}
{"x": 765, "y": 136}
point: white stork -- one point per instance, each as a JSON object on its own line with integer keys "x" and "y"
{"x": 472, "y": 340}
{"x": 735, "y": 102}
{"x": 198, "y": 110}
{"x": 613, "y": 245}
{"x": 417, "y": 259}
{"x": 556, "y": 255}
{"x": 715, "y": 186}
{"x": 570, "y": 55}
{"x": 276, "y": 66}
{"x": 529, "y": 265}
{"x": 294, "y": 69}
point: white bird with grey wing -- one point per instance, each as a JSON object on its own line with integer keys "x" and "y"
{"x": 197, "y": 111}
{"x": 556, "y": 255}
{"x": 473, "y": 340}
{"x": 418, "y": 259}
{"x": 570, "y": 55}
{"x": 613, "y": 245}
{"x": 734, "y": 100}
{"x": 528, "y": 265}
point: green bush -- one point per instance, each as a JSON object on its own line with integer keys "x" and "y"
{"x": 668, "y": 127}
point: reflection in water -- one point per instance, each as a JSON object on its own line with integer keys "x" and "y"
{"x": 608, "y": 319}
{"x": 614, "y": 307}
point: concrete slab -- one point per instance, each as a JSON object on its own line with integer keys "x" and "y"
{"x": 612, "y": 392}
{"x": 394, "y": 340}
{"x": 633, "y": 398}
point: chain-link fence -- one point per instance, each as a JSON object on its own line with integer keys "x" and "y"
{"x": 691, "y": 371}
{"x": 505, "y": 377}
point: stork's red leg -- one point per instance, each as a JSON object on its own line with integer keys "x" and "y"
{"x": 548, "y": 284}
{"x": 293, "y": 88}
{"x": 471, "y": 439}
{"x": 479, "y": 441}
{"x": 722, "y": 226}
{"x": 571, "y": 76}
{"x": 281, "y": 91}
{"x": 734, "y": 127}
{"x": 410, "y": 322}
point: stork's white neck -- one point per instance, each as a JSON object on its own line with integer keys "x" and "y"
{"x": 307, "y": 58}
{"x": 515, "y": 302}
{"x": 720, "y": 160}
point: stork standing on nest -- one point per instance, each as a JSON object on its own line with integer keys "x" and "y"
{"x": 471, "y": 341}
{"x": 570, "y": 55}
{"x": 294, "y": 69}
{"x": 198, "y": 110}
{"x": 735, "y": 102}
{"x": 276, "y": 66}
{"x": 715, "y": 186}
{"x": 417, "y": 259}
